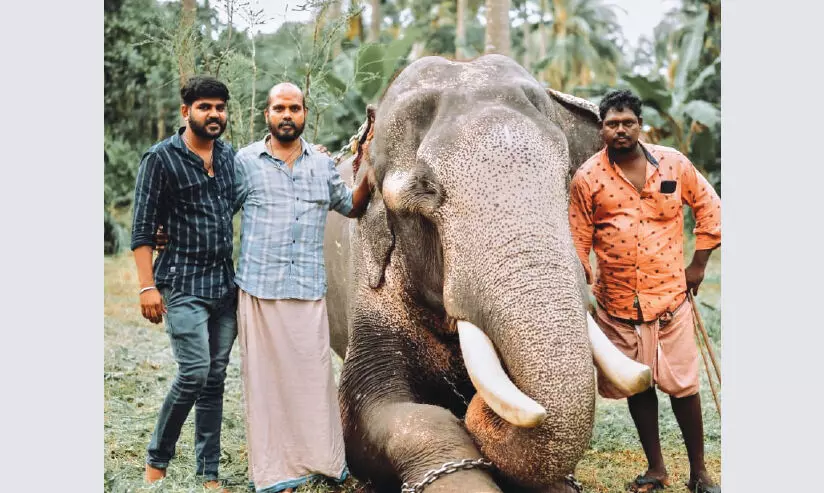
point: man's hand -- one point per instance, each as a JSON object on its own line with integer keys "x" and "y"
{"x": 321, "y": 149}
{"x": 161, "y": 239}
{"x": 695, "y": 272}
{"x": 370, "y": 171}
{"x": 152, "y": 306}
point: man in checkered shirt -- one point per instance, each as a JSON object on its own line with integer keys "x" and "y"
{"x": 286, "y": 188}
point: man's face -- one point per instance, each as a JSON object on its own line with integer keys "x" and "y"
{"x": 621, "y": 130}
{"x": 206, "y": 117}
{"x": 285, "y": 115}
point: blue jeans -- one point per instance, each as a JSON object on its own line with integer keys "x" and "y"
{"x": 202, "y": 332}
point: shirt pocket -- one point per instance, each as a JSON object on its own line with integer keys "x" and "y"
{"x": 667, "y": 205}
{"x": 317, "y": 194}
{"x": 190, "y": 196}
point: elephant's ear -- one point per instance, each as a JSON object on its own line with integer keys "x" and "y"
{"x": 377, "y": 240}
{"x": 580, "y": 122}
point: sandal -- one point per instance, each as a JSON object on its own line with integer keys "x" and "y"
{"x": 700, "y": 487}
{"x": 643, "y": 484}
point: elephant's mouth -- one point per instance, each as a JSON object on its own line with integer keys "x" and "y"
{"x": 507, "y": 401}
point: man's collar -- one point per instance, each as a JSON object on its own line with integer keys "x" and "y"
{"x": 177, "y": 138}
{"x": 263, "y": 146}
{"x": 650, "y": 158}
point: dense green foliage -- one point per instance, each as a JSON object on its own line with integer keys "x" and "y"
{"x": 572, "y": 45}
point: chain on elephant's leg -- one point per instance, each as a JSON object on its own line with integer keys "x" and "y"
{"x": 429, "y": 448}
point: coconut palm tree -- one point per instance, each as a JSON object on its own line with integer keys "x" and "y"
{"x": 582, "y": 46}
{"x": 680, "y": 93}
{"x": 498, "y": 38}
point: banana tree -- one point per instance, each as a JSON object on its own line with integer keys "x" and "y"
{"x": 675, "y": 116}
{"x": 581, "y": 46}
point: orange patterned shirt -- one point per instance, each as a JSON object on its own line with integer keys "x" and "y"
{"x": 638, "y": 237}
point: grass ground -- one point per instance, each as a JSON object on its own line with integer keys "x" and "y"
{"x": 139, "y": 366}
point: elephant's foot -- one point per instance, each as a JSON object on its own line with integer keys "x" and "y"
{"x": 419, "y": 439}
{"x": 569, "y": 485}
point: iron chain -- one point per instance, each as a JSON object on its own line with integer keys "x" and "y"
{"x": 447, "y": 468}
{"x": 570, "y": 479}
{"x": 347, "y": 147}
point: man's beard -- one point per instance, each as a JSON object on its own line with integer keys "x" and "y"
{"x": 201, "y": 130}
{"x": 623, "y": 151}
{"x": 282, "y": 131}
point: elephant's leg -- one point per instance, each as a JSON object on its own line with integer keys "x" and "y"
{"x": 562, "y": 486}
{"x": 418, "y": 438}
{"x": 390, "y": 438}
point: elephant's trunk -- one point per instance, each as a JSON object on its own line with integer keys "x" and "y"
{"x": 510, "y": 268}
{"x": 544, "y": 349}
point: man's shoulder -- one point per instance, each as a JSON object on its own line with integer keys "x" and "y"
{"x": 666, "y": 152}
{"x": 589, "y": 166}
{"x": 318, "y": 158}
{"x": 158, "y": 151}
{"x": 226, "y": 148}
{"x": 249, "y": 152}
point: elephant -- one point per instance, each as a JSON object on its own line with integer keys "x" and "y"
{"x": 457, "y": 300}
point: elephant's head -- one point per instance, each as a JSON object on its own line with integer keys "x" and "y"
{"x": 472, "y": 163}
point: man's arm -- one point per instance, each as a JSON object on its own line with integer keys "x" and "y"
{"x": 343, "y": 199}
{"x": 150, "y": 182}
{"x": 241, "y": 189}
{"x": 580, "y": 220}
{"x": 706, "y": 206}
{"x": 360, "y": 198}
{"x": 151, "y": 303}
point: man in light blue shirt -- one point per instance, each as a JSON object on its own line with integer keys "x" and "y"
{"x": 285, "y": 189}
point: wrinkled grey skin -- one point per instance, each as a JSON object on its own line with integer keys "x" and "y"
{"x": 480, "y": 234}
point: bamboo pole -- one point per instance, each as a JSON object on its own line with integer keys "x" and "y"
{"x": 702, "y": 336}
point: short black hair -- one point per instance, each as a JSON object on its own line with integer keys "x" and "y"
{"x": 619, "y": 100}
{"x": 203, "y": 86}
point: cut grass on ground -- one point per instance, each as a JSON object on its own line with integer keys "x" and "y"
{"x": 139, "y": 366}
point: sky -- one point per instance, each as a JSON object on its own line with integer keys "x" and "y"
{"x": 637, "y": 17}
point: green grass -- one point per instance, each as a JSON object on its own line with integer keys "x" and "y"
{"x": 139, "y": 366}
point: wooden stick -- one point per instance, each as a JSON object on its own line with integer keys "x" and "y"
{"x": 702, "y": 350}
{"x": 703, "y": 331}
{"x": 701, "y": 335}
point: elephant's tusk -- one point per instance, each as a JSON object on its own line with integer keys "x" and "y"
{"x": 492, "y": 383}
{"x": 627, "y": 375}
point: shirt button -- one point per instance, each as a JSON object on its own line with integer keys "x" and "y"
{"x": 296, "y": 219}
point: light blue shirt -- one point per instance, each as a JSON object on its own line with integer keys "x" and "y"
{"x": 283, "y": 220}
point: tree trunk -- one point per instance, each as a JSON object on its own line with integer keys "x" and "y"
{"x": 375, "y": 25}
{"x": 333, "y": 16}
{"x": 497, "y": 27}
{"x": 208, "y": 25}
{"x": 185, "y": 48}
{"x": 460, "y": 31}
{"x": 254, "y": 84}
{"x": 526, "y": 62}
{"x": 161, "y": 122}
{"x": 542, "y": 40}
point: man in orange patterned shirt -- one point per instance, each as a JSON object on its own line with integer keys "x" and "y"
{"x": 626, "y": 205}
